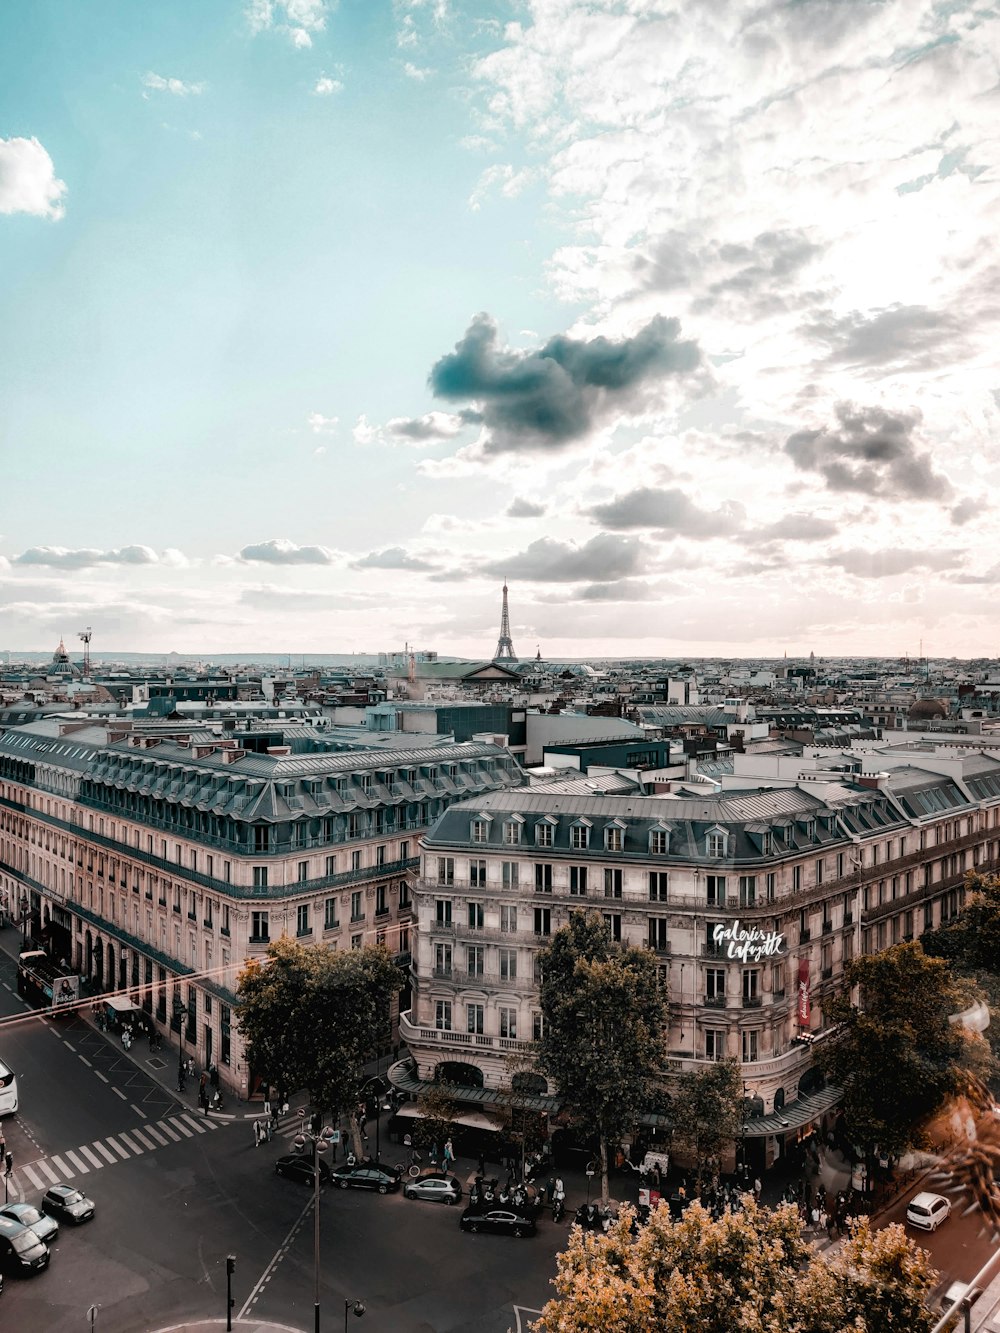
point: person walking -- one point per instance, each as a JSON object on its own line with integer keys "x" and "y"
{"x": 757, "y": 1187}
{"x": 256, "y": 1133}
{"x": 482, "y": 1162}
{"x": 449, "y": 1155}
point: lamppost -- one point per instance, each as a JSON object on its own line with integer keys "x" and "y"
{"x": 319, "y": 1139}
{"x": 180, "y": 1014}
{"x": 743, "y": 1134}
{"x": 356, "y": 1306}
{"x": 24, "y": 920}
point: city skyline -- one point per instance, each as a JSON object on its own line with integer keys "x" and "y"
{"x": 322, "y": 320}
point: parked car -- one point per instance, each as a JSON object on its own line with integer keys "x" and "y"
{"x": 366, "y": 1176}
{"x": 499, "y": 1221}
{"x": 436, "y": 1186}
{"x": 20, "y": 1249}
{"x": 68, "y": 1203}
{"x": 45, "y": 1228}
{"x": 928, "y": 1211}
{"x": 299, "y": 1166}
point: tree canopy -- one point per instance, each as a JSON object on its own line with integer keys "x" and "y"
{"x": 312, "y": 1017}
{"x": 707, "y": 1111}
{"x": 748, "y": 1272}
{"x": 896, "y": 1055}
{"x": 604, "y": 1027}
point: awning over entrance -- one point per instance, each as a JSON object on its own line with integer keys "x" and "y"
{"x": 403, "y": 1075}
{"x": 471, "y": 1118}
{"x": 803, "y": 1111}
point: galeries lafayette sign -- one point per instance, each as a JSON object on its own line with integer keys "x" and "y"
{"x": 748, "y": 943}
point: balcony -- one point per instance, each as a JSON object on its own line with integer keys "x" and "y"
{"x": 752, "y": 1001}
{"x": 848, "y": 918}
{"x": 714, "y": 1002}
{"x": 827, "y": 927}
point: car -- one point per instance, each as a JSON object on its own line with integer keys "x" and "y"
{"x": 20, "y": 1249}
{"x": 70, "y": 1204}
{"x": 499, "y": 1221}
{"x": 299, "y": 1166}
{"x": 366, "y": 1176}
{"x": 45, "y": 1228}
{"x": 436, "y": 1186}
{"x": 927, "y": 1211}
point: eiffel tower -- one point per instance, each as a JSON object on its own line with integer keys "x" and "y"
{"x": 505, "y": 649}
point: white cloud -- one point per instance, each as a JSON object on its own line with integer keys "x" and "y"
{"x": 176, "y": 87}
{"x": 321, "y": 425}
{"x": 298, "y": 20}
{"x": 28, "y": 182}
{"x": 281, "y": 551}
{"x": 365, "y": 433}
{"x": 326, "y": 87}
{"x": 62, "y": 557}
{"x": 416, "y": 73}
{"x": 501, "y": 179}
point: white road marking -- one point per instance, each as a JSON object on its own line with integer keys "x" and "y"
{"x": 62, "y": 1167}
{"x": 278, "y": 1256}
{"x": 91, "y": 1157}
{"x": 78, "y": 1162}
{"x": 34, "y": 1177}
{"x": 104, "y": 1152}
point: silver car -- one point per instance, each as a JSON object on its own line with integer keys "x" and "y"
{"x": 435, "y": 1186}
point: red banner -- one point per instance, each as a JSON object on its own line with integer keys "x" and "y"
{"x": 804, "y": 1001}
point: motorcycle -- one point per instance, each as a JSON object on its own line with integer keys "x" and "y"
{"x": 558, "y": 1207}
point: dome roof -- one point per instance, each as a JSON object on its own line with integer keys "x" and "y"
{"x": 924, "y": 709}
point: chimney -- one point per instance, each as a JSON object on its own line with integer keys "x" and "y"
{"x": 279, "y": 751}
{"x": 233, "y": 756}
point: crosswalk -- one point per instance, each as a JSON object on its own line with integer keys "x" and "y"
{"x": 59, "y": 1168}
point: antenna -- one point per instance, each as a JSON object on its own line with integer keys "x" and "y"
{"x": 85, "y": 635}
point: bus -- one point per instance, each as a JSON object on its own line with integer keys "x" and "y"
{"x": 45, "y": 983}
{"x": 8, "y": 1091}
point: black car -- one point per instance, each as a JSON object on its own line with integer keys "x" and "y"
{"x": 68, "y": 1203}
{"x": 502, "y": 1221}
{"x": 20, "y": 1249}
{"x": 299, "y": 1166}
{"x": 366, "y": 1176}
{"x": 45, "y": 1228}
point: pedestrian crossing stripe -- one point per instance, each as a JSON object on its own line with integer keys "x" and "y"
{"x": 61, "y": 1167}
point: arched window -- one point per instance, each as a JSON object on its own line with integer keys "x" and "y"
{"x": 454, "y": 1071}
{"x": 527, "y": 1082}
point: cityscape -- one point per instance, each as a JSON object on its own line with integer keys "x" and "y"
{"x": 499, "y": 690}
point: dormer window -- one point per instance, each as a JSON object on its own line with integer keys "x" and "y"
{"x": 579, "y": 835}
{"x": 613, "y": 837}
{"x": 659, "y": 842}
{"x": 543, "y": 834}
{"x": 716, "y": 842}
{"x": 512, "y": 832}
{"x": 480, "y": 830}
{"x": 766, "y": 844}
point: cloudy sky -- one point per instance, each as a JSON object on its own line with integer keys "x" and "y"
{"x": 321, "y": 319}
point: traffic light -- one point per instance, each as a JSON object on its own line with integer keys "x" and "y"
{"x": 230, "y": 1264}
{"x": 8, "y": 1162}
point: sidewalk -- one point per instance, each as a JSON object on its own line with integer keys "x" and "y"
{"x": 243, "y": 1325}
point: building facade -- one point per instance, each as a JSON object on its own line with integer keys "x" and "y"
{"x": 158, "y": 864}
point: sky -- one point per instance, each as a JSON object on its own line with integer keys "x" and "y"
{"x": 320, "y": 320}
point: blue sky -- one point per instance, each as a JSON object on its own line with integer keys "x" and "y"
{"x": 320, "y": 318}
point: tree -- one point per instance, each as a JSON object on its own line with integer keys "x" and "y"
{"x": 604, "y": 1025}
{"x": 896, "y": 1055}
{"x": 438, "y": 1112}
{"x": 748, "y": 1272}
{"x": 707, "y": 1111}
{"x": 311, "y": 1018}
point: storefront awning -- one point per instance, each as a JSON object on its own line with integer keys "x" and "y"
{"x": 803, "y": 1111}
{"x": 403, "y": 1075}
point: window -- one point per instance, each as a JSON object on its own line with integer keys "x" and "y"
{"x": 543, "y": 921}
{"x": 659, "y": 842}
{"x": 508, "y": 1022}
{"x": 480, "y": 830}
{"x": 442, "y": 1015}
{"x": 357, "y": 906}
{"x": 510, "y": 876}
{"x": 579, "y": 837}
{"x": 354, "y": 826}
{"x": 613, "y": 922}
{"x": 404, "y": 895}
{"x": 612, "y": 883}
{"x": 475, "y": 957}
{"x": 357, "y": 941}
{"x": 442, "y": 960}
{"x": 508, "y": 918}
{"x": 543, "y": 879}
{"x": 715, "y": 844}
{"x": 770, "y": 881}
{"x": 512, "y": 833}
{"x": 446, "y": 870}
{"x": 819, "y": 871}
{"x": 381, "y": 899}
{"x": 715, "y": 1044}
{"x": 330, "y": 921}
{"x": 658, "y": 883}
{"x": 750, "y": 1043}
{"x": 796, "y": 878}
{"x": 330, "y": 866}
{"x": 303, "y": 871}
{"x": 748, "y": 890}
{"x": 840, "y": 865}
{"x": 302, "y": 926}
{"x": 404, "y": 850}
{"x": 477, "y": 874}
{"x": 751, "y": 986}
{"x": 715, "y": 985}
{"x": 715, "y": 890}
{"x": 474, "y": 1019}
{"x": 476, "y": 916}
{"x": 208, "y": 912}
{"x": 443, "y": 913}
{"x": 543, "y": 835}
{"x": 537, "y": 1026}
{"x": 356, "y": 860}
{"x": 225, "y": 919}
{"x": 613, "y": 838}
{"x": 259, "y": 927}
{"x": 380, "y": 851}
{"x": 578, "y": 881}
{"x": 659, "y": 938}
{"x": 508, "y": 964}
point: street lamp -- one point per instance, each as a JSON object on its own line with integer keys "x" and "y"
{"x": 320, "y": 1140}
{"x": 180, "y": 1013}
{"x": 24, "y": 919}
{"x": 356, "y": 1306}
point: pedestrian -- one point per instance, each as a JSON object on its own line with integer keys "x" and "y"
{"x": 449, "y": 1155}
{"x": 213, "y": 1075}
{"x": 757, "y": 1187}
{"x": 256, "y": 1133}
{"x": 203, "y": 1081}
{"x": 268, "y": 1130}
{"x": 204, "y": 1099}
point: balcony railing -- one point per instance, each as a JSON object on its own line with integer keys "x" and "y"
{"x": 752, "y": 1001}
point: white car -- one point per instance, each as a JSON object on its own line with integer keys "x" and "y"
{"x": 928, "y": 1211}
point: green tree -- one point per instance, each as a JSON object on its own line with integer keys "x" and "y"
{"x": 747, "y": 1272}
{"x": 312, "y": 1017}
{"x": 707, "y": 1111}
{"x": 895, "y": 1054}
{"x": 604, "y": 1028}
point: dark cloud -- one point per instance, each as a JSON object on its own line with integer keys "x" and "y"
{"x": 667, "y": 510}
{"x": 628, "y": 590}
{"x": 604, "y": 559}
{"x": 990, "y": 576}
{"x": 280, "y": 551}
{"x": 520, "y": 508}
{"x": 426, "y": 429}
{"x": 549, "y": 397}
{"x": 393, "y": 557}
{"x": 60, "y": 557}
{"x": 872, "y": 452}
{"x": 795, "y": 528}
{"x": 911, "y": 337}
{"x": 866, "y": 564}
{"x": 967, "y": 509}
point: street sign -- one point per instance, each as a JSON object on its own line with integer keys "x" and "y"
{"x": 92, "y": 1316}
{"x": 334, "y": 1136}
